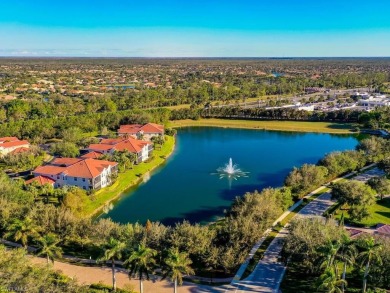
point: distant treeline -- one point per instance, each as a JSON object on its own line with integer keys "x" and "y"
{"x": 372, "y": 120}
{"x": 46, "y": 128}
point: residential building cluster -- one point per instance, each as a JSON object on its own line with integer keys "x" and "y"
{"x": 370, "y": 102}
{"x": 89, "y": 171}
{"x": 13, "y": 145}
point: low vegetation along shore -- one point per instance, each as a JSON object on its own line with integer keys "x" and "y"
{"x": 95, "y": 204}
{"x": 298, "y": 126}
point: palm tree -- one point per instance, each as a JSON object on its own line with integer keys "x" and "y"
{"x": 47, "y": 190}
{"x": 328, "y": 252}
{"x": 47, "y": 245}
{"x": 177, "y": 263}
{"x": 113, "y": 251}
{"x": 22, "y": 230}
{"x": 140, "y": 262}
{"x": 330, "y": 282}
{"x": 347, "y": 255}
{"x": 369, "y": 254}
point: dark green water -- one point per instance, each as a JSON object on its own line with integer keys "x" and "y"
{"x": 184, "y": 187}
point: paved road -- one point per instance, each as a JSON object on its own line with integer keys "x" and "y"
{"x": 269, "y": 272}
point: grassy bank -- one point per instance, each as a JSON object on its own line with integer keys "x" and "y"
{"x": 299, "y": 126}
{"x": 379, "y": 214}
{"x": 125, "y": 180}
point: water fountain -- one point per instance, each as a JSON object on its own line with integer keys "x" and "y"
{"x": 231, "y": 171}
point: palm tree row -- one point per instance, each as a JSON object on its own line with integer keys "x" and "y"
{"x": 47, "y": 244}
{"x": 346, "y": 253}
{"x": 142, "y": 260}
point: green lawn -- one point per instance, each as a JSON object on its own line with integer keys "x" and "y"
{"x": 300, "y": 126}
{"x": 380, "y": 214}
{"x": 127, "y": 179}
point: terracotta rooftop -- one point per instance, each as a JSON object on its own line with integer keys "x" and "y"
{"x": 92, "y": 155}
{"x": 20, "y": 150}
{"x": 147, "y": 128}
{"x": 13, "y": 143}
{"x": 111, "y": 140}
{"x": 50, "y": 170}
{"x": 8, "y": 139}
{"x": 42, "y": 180}
{"x": 64, "y": 161}
{"x": 88, "y": 168}
{"x": 120, "y": 144}
{"x": 100, "y": 147}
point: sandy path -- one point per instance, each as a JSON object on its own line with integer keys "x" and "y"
{"x": 90, "y": 275}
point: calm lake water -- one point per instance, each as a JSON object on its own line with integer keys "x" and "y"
{"x": 185, "y": 188}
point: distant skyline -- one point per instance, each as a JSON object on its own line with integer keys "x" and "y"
{"x": 201, "y": 28}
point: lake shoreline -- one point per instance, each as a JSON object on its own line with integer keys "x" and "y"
{"x": 119, "y": 191}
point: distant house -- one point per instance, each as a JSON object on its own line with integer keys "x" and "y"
{"x": 373, "y": 102}
{"x": 88, "y": 174}
{"x": 10, "y": 144}
{"x": 142, "y": 149}
{"x": 138, "y": 131}
{"x": 312, "y": 90}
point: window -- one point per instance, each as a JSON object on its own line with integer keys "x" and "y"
{"x": 75, "y": 178}
{"x": 58, "y": 177}
{"x": 83, "y": 179}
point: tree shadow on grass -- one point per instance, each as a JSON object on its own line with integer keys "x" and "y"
{"x": 384, "y": 214}
{"x": 343, "y": 126}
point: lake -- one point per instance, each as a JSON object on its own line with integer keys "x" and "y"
{"x": 186, "y": 188}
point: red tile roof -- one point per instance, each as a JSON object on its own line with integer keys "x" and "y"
{"x": 64, "y": 161}
{"x": 88, "y": 168}
{"x": 92, "y": 155}
{"x": 111, "y": 140}
{"x": 152, "y": 128}
{"x": 130, "y": 129}
{"x": 42, "y": 180}
{"x": 20, "y": 150}
{"x": 132, "y": 145}
{"x": 147, "y": 128}
{"x": 49, "y": 170}
{"x": 120, "y": 144}
{"x": 8, "y": 138}
{"x": 100, "y": 147}
{"x": 12, "y": 144}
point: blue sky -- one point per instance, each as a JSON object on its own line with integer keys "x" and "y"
{"x": 180, "y": 28}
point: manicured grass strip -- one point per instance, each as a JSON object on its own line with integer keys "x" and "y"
{"x": 298, "y": 126}
{"x": 127, "y": 179}
{"x": 379, "y": 214}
